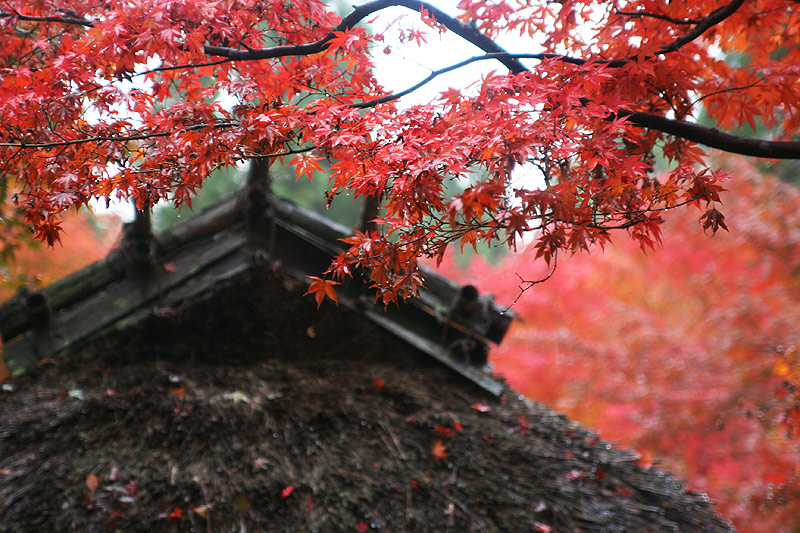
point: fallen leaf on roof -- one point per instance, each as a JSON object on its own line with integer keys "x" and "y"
{"x": 483, "y": 408}
{"x": 237, "y": 397}
{"x": 447, "y": 432}
{"x": 180, "y": 392}
{"x": 203, "y": 510}
{"x": 439, "y": 450}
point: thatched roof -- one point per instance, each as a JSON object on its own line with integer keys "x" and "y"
{"x": 244, "y": 408}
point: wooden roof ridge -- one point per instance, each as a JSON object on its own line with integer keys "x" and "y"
{"x": 219, "y": 243}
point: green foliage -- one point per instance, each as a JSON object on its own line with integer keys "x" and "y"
{"x": 221, "y": 183}
{"x": 304, "y": 192}
{"x": 344, "y": 209}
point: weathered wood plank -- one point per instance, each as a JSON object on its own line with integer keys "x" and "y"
{"x": 20, "y": 355}
{"x": 203, "y": 282}
{"x": 83, "y": 283}
{"x": 14, "y": 317}
{"x": 434, "y": 349}
{"x": 217, "y": 217}
{"x": 116, "y": 301}
{"x": 128, "y": 295}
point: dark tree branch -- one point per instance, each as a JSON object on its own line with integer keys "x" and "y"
{"x": 689, "y": 131}
{"x": 704, "y": 135}
{"x": 686, "y": 130}
{"x": 723, "y": 91}
{"x": 714, "y": 138}
{"x": 61, "y": 20}
{"x": 473, "y": 59}
{"x": 465, "y": 31}
{"x": 642, "y": 14}
{"x": 439, "y": 72}
{"x": 358, "y": 14}
{"x": 112, "y": 138}
{"x": 185, "y": 66}
{"x": 708, "y": 22}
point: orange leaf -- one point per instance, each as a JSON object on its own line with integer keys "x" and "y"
{"x": 781, "y": 369}
{"x": 92, "y": 482}
{"x": 203, "y": 510}
{"x": 439, "y": 450}
{"x": 180, "y": 392}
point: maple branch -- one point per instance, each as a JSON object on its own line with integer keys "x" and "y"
{"x": 465, "y": 31}
{"x": 62, "y": 20}
{"x": 689, "y": 131}
{"x": 473, "y": 59}
{"x": 290, "y": 151}
{"x": 711, "y": 137}
{"x": 526, "y": 284}
{"x": 641, "y": 14}
{"x": 714, "y": 18}
{"x": 112, "y": 138}
{"x": 635, "y": 221}
{"x": 183, "y": 66}
{"x": 723, "y": 91}
{"x": 714, "y": 138}
{"x": 494, "y": 55}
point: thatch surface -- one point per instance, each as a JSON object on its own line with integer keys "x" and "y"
{"x": 221, "y": 404}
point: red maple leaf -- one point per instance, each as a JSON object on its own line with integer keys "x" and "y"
{"x": 447, "y": 432}
{"x": 322, "y": 288}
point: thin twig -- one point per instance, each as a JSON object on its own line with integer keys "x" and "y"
{"x": 115, "y": 138}
{"x": 526, "y": 284}
{"x": 388, "y": 429}
{"x": 641, "y": 14}
{"x": 62, "y": 20}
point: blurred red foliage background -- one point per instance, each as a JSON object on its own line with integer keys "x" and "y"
{"x": 688, "y": 354}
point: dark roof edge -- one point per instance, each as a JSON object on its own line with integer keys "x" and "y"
{"x": 218, "y": 243}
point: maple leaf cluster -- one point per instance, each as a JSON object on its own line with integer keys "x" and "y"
{"x": 144, "y": 99}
